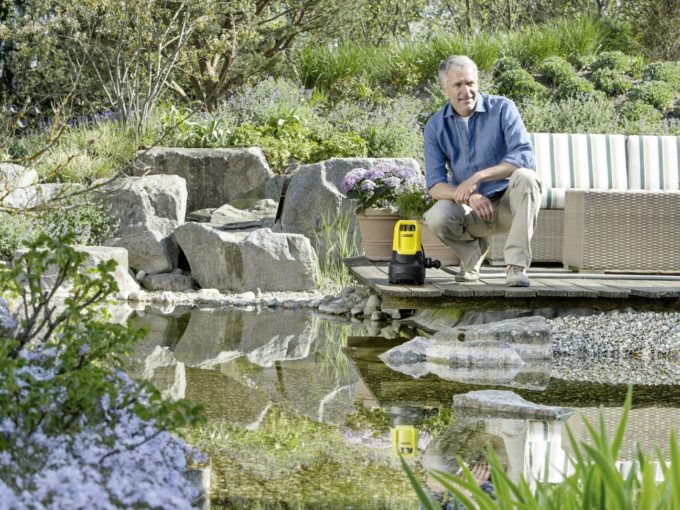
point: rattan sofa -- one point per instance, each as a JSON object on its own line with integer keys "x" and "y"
{"x": 637, "y": 229}
{"x": 565, "y": 161}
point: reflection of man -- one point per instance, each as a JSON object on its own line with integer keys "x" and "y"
{"x": 493, "y": 188}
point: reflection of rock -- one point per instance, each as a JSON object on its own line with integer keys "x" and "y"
{"x": 266, "y": 336}
{"x": 506, "y": 403}
{"x": 171, "y": 381}
{"x": 504, "y": 353}
{"x": 162, "y": 330}
{"x": 226, "y": 399}
{"x": 531, "y": 376}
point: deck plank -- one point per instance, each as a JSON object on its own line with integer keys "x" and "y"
{"x": 545, "y": 282}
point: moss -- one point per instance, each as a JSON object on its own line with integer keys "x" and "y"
{"x": 291, "y": 459}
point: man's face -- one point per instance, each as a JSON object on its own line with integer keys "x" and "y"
{"x": 461, "y": 88}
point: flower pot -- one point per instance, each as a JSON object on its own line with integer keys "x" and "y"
{"x": 377, "y": 230}
{"x": 377, "y": 234}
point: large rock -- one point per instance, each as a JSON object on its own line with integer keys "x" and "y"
{"x": 14, "y": 177}
{"x": 228, "y": 217}
{"x": 148, "y": 210}
{"x": 214, "y": 176}
{"x": 313, "y": 194}
{"x": 37, "y": 195}
{"x": 95, "y": 255}
{"x": 507, "y": 403}
{"x": 242, "y": 261}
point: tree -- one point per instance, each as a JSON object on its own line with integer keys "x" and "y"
{"x": 244, "y": 39}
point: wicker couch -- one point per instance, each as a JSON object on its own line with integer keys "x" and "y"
{"x": 637, "y": 229}
{"x": 566, "y": 161}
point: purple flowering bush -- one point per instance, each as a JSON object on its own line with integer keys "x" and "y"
{"x": 75, "y": 430}
{"x": 380, "y": 185}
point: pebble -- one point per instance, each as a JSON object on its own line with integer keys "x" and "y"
{"x": 619, "y": 347}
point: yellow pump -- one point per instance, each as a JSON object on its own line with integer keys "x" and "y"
{"x": 408, "y": 262}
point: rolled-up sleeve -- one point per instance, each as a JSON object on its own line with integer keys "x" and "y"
{"x": 520, "y": 151}
{"x": 435, "y": 158}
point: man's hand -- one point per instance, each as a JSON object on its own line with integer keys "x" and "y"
{"x": 482, "y": 206}
{"x": 465, "y": 189}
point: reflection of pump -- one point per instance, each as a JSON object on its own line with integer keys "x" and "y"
{"x": 404, "y": 440}
{"x": 408, "y": 260}
{"x": 403, "y": 421}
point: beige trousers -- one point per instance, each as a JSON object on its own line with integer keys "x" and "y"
{"x": 459, "y": 227}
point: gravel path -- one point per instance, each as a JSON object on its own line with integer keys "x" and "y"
{"x": 621, "y": 335}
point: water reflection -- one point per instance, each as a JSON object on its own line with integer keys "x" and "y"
{"x": 242, "y": 365}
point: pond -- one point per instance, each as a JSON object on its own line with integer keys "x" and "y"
{"x": 300, "y": 407}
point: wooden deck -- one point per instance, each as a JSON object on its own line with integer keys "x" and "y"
{"x": 545, "y": 283}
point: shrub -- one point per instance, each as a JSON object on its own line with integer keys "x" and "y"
{"x": 575, "y": 87}
{"x": 504, "y": 64}
{"x": 591, "y": 115}
{"x": 557, "y": 69}
{"x": 663, "y": 71}
{"x": 378, "y": 186}
{"x": 413, "y": 204}
{"x": 614, "y": 60}
{"x": 635, "y": 111}
{"x": 88, "y": 222}
{"x": 518, "y": 84}
{"x": 611, "y": 81}
{"x": 659, "y": 94}
{"x": 75, "y": 431}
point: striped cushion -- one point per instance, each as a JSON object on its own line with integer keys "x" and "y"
{"x": 653, "y": 162}
{"x": 565, "y": 161}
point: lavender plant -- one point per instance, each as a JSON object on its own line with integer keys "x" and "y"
{"x": 378, "y": 186}
{"x": 75, "y": 430}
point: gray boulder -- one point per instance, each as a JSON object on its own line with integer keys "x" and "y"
{"x": 228, "y": 217}
{"x": 95, "y": 255}
{"x": 507, "y": 403}
{"x": 214, "y": 176}
{"x": 168, "y": 281}
{"x": 148, "y": 210}
{"x": 14, "y": 177}
{"x": 242, "y": 261}
{"x": 36, "y": 195}
{"x": 313, "y": 195}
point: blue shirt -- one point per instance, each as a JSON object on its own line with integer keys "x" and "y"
{"x": 495, "y": 133}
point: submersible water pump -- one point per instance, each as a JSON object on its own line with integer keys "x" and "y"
{"x": 408, "y": 262}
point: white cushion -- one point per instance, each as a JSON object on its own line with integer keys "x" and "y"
{"x": 653, "y": 163}
{"x": 566, "y": 161}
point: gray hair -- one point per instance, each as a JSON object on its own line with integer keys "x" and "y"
{"x": 458, "y": 61}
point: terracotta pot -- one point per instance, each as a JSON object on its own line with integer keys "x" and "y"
{"x": 377, "y": 233}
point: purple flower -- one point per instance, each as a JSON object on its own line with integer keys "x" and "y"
{"x": 367, "y": 185}
{"x": 392, "y": 182}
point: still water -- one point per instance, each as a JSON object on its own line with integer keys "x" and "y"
{"x": 300, "y": 409}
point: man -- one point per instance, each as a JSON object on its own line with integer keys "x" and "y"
{"x": 493, "y": 187}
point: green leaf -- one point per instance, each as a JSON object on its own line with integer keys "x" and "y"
{"x": 425, "y": 500}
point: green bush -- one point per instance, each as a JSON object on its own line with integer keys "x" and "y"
{"x": 614, "y": 60}
{"x": 659, "y": 94}
{"x": 663, "y": 71}
{"x": 591, "y": 115}
{"x": 611, "y": 81}
{"x": 505, "y": 64}
{"x": 635, "y": 111}
{"x": 518, "y": 84}
{"x": 87, "y": 221}
{"x": 557, "y": 69}
{"x": 575, "y": 87}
